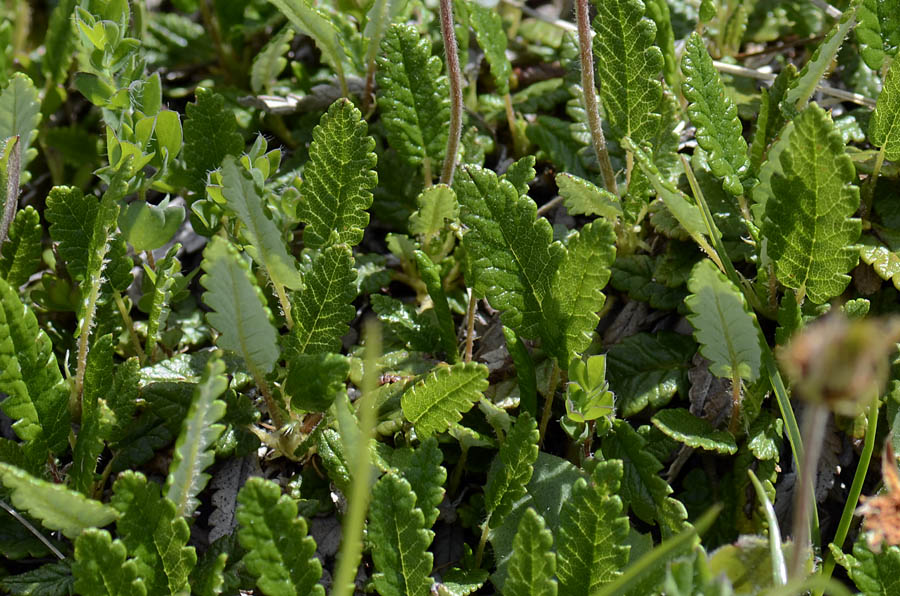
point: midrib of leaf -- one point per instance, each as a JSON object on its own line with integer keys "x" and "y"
{"x": 437, "y": 403}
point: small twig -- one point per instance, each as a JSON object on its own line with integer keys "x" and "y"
{"x": 31, "y": 529}
{"x": 456, "y": 99}
{"x": 12, "y": 187}
{"x": 549, "y": 205}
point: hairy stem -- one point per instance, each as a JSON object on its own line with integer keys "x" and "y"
{"x": 482, "y": 542}
{"x": 868, "y": 189}
{"x": 12, "y": 188}
{"x": 590, "y": 95}
{"x": 285, "y": 304}
{"x": 129, "y": 324}
{"x": 456, "y": 100}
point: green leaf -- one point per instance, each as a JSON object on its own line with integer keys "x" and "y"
{"x": 239, "y": 310}
{"x": 883, "y": 260}
{"x": 437, "y": 204}
{"x": 307, "y": 19}
{"x": 719, "y": 131}
{"x": 101, "y": 568}
{"x": 875, "y": 574}
{"x": 98, "y": 379}
{"x": 37, "y": 396}
{"x": 684, "y": 427}
{"x": 415, "y": 331}
{"x": 72, "y": 215}
{"x": 804, "y": 85}
{"x": 559, "y": 144}
{"x": 59, "y": 42}
{"x": 723, "y": 324}
{"x": 592, "y": 530}
{"x": 491, "y": 36}
{"x": 270, "y": 61}
{"x": 314, "y": 380}
{"x": 164, "y": 279}
{"x": 533, "y": 563}
{"x": 153, "y": 533}
{"x": 169, "y": 134}
{"x": 878, "y": 31}
{"x": 511, "y": 470}
{"x": 628, "y": 65}
{"x": 323, "y": 311}
{"x": 57, "y": 507}
{"x": 210, "y": 133}
{"x": 884, "y": 128}
{"x": 577, "y": 289}
{"x": 648, "y": 370}
{"x": 21, "y": 255}
{"x": 243, "y": 197}
{"x": 279, "y": 553}
{"x": 642, "y": 489}
{"x": 20, "y": 113}
{"x": 512, "y": 254}
{"x": 583, "y": 198}
{"x": 526, "y": 376}
{"x": 809, "y": 221}
{"x": 440, "y": 399}
{"x": 413, "y": 96}
{"x": 430, "y": 275}
{"x": 338, "y": 179}
{"x": 148, "y": 227}
{"x": 658, "y": 10}
{"x": 50, "y": 579}
{"x": 421, "y": 467}
{"x": 402, "y": 561}
{"x": 193, "y": 452}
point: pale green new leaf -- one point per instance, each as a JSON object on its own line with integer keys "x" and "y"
{"x": 884, "y": 128}
{"x": 102, "y": 567}
{"x": 719, "y": 131}
{"x": 148, "y": 227}
{"x": 513, "y": 256}
{"x": 239, "y": 310}
{"x": 437, "y": 204}
{"x": 37, "y": 396}
{"x": 22, "y": 250}
{"x": 883, "y": 260}
{"x": 270, "y": 61}
{"x": 511, "y": 469}
{"x": 323, "y": 311}
{"x": 443, "y": 396}
{"x": 193, "y": 452}
{"x": 57, "y": 507}
{"x": 309, "y": 20}
{"x": 695, "y": 432}
{"x": 402, "y": 561}
{"x": 279, "y": 552}
{"x": 532, "y": 564}
{"x": 422, "y": 468}
{"x": 413, "y": 96}
{"x": 338, "y": 179}
{"x": 723, "y": 324}
{"x": 20, "y": 113}
{"x": 809, "y": 221}
{"x": 491, "y": 36}
{"x": 578, "y": 289}
{"x": 243, "y": 197}
{"x": 804, "y": 85}
{"x": 878, "y": 31}
{"x": 628, "y": 65}
{"x": 592, "y": 532}
{"x": 210, "y": 133}
{"x": 153, "y": 533}
{"x": 584, "y": 198}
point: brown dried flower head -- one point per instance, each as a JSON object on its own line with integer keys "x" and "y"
{"x": 882, "y": 512}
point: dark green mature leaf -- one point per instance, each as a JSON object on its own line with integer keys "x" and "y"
{"x": 526, "y": 376}
{"x": 532, "y": 564}
{"x": 557, "y": 140}
{"x": 37, "y": 396}
{"x": 878, "y": 31}
{"x": 422, "y": 468}
{"x": 243, "y": 197}
{"x": 715, "y": 116}
{"x": 884, "y": 128}
{"x": 513, "y": 256}
{"x": 20, "y": 113}
{"x": 98, "y": 379}
{"x": 809, "y": 221}
{"x": 59, "y": 42}
{"x": 875, "y": 574}
{"x": 592, "y": 533}
{"x": 397, "y": 526}
{"x": 314, "y": 380}
{"x": 511, "y": 470}
{"x": 57, "y": 507}
{"x": 210, "y": 133}
{"x": 430, "y": 275}
{"x": 163, "y": 278}
{"x": 193, "y": 452}
{"x": 71, "y": 215}
{"x": 338, "y": 180}
{"x": 279, "y": 553}
{"x": 695, "y": 432}
{"x": 491, "y": 36}
{"x": 101, "y": 567}
{"x": 307, "y": 19}
{"x": 50, "y": 579}
{"x": 270, "y": 61}
{"x": 239, "y": 308}
{"x": 723, "y": 324}
{"x": 22, "y": 249}
{"x": 323, "y": 311}
{"x": 440, "y": 399}
{"x": 413, "y": 96}
{"x": 642, "y": 489}
{"x": 153, "y": 533}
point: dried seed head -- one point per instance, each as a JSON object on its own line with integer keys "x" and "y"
{"x": 882, "y": 512}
